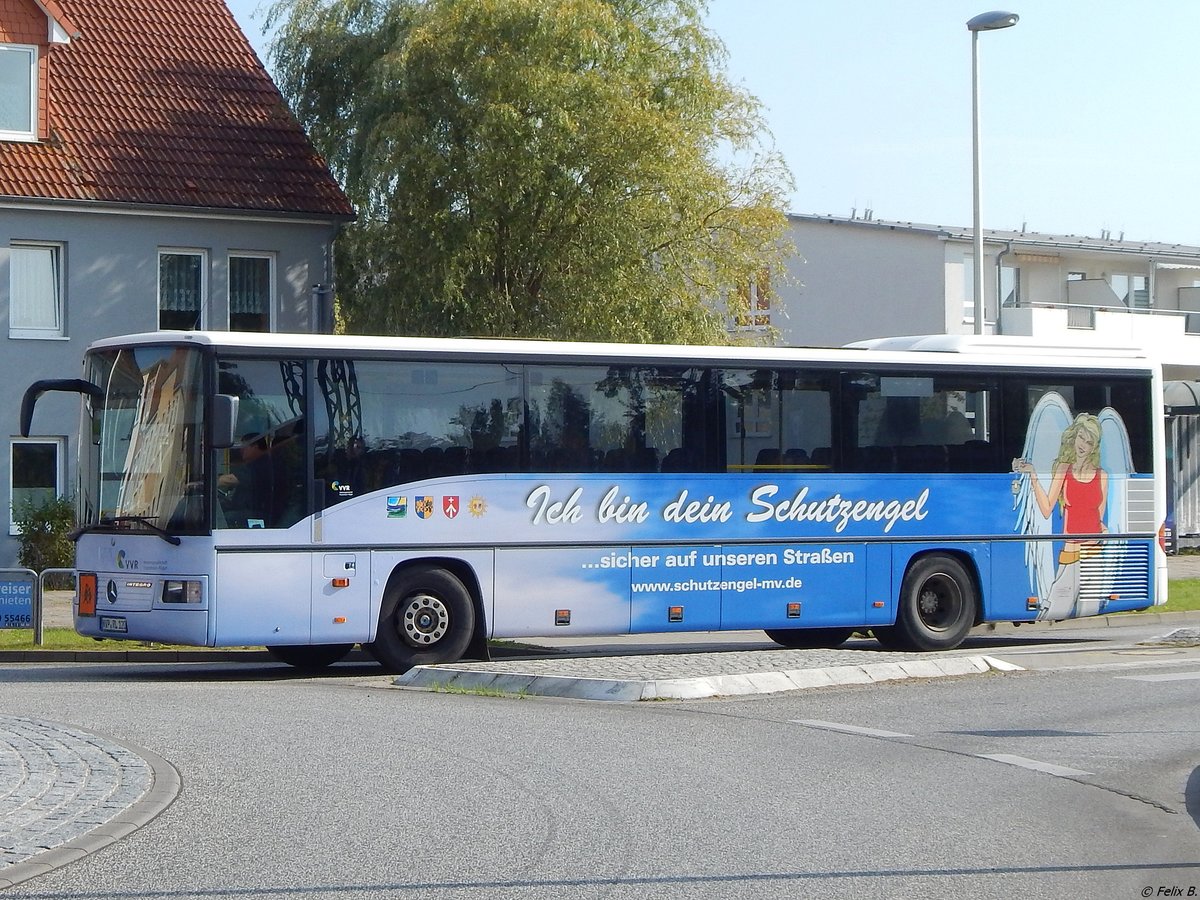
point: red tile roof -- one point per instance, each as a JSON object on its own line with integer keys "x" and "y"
{"x": 164, "y": 102}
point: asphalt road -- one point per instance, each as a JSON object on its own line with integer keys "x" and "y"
{"x": 1075, "y": 778}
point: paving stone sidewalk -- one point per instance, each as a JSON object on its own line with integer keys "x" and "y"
{"x": 65, "y": 792}
{"x": 684, "y": 665}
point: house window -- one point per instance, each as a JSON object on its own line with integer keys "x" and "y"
{"x": 181, "y": 289}
{"x": 1076, "y": 276}
{"x": 36, "y": 474}
{"x": 968, "y": 315}
{"x": 1010, "y": 286}
{"x": 18, "y": 92}
{"x": 1132, "y": 290}
{"x": 754, "y": 313}
{"x": 35, "y": 289}
{"x": 251, "y": 287}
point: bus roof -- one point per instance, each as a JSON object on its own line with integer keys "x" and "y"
{"x": 927, "y": 350}
{"x": 1000, "y": 344}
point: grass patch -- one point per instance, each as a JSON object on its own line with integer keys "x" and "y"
{"x": 477, "y": 691}
{"x": 56, "y": 639}
{"x": 1182, "y": 596}
{"x": 68, "y": 639}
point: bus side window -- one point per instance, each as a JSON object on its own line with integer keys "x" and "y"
{"x": 775, "y": 419}
{"x": 920, "y": 423}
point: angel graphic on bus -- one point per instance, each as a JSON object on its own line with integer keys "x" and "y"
{"x": 1073, "y": 472}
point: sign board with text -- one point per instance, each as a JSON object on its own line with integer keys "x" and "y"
{"x": 16, "y": 601}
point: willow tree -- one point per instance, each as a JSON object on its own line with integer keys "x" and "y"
{"x": 544, "y": 168}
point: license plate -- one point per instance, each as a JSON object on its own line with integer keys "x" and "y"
{"x": 114, "y": 624}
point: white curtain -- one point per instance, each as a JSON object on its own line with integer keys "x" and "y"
{"x": 34, "y": 288}
{"x": 17, "y": 71}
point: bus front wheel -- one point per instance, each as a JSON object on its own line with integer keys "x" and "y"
{"x": 937, "y": 606}
{"x": 427, "y": 617}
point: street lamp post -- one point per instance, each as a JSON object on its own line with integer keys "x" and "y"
{"x": 989, "y": 21}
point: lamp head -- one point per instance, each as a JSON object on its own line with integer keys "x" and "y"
{"x": 993, "y": 21}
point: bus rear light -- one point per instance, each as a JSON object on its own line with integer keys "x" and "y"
{"x": 181, "y": 592}
{"x": 87, "y": 593}
{"x": 1162, "y": 537}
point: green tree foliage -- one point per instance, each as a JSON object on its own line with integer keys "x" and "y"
{"x": 543, "y": 168}
{"x": 44, "y": 534}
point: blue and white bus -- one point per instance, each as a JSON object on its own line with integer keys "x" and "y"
{"x": 420, "y": 497}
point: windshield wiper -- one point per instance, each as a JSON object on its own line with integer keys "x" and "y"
{"x": 113, "y": 521}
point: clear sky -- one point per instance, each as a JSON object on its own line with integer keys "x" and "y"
{"x": 1089, "y": 108}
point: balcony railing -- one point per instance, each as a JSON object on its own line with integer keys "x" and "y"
{"x": 1084, "y": 317}
{"x": 1081, "y": 315}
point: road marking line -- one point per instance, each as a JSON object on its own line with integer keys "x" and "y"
{"x": 849, "y": 729}
{"x": 1175, "y": 676}
{"x": 1035, "y": 765}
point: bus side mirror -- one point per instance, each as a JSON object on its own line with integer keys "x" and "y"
{"x": 35, "y": 390}
{"x": 223, "y": 417}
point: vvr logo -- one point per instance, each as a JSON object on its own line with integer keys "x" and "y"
{"x": 123, "y": 563}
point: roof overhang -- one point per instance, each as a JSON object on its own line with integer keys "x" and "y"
{"x": 130, "y": 208}
{"x": 61, "y": 29}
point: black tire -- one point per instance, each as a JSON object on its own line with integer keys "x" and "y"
{"x": 937, "y": 606}
{"x": 311, "y": 657}
{"x": 809, "y": 638}
{"x": 427, "y": 617}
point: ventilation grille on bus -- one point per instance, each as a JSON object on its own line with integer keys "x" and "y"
{"x": 1139, "y": 498}
{"x": 1115, "y": 570}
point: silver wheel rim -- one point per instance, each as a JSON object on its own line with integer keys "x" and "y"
{"x": 424, "y": 620}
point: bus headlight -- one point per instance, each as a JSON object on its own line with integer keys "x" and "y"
{"x": 181, "y": 592}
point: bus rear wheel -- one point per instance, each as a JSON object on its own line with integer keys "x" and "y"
{"x": 310, "y": 657}
{"x": 427, "y": 617}
{"x": 938, "y": 604}
{"x": 809, "y": 638}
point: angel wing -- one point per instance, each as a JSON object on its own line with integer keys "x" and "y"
{"x": 1116, "y": 459}
{"x": 1043, "y": 437}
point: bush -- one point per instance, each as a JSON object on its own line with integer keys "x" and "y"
{"x": 45, "y": 537}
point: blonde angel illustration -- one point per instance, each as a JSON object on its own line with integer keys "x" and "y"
{"x": 1073, "y": 473}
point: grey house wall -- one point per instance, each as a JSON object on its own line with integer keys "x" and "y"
{"x": 861, "y": 284}
{"x": 110, "y": 263}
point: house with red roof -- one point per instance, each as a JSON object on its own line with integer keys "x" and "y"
{"x": 151, "y": 176}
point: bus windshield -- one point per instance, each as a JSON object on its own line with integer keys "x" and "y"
{"x": 143, "y": 465}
